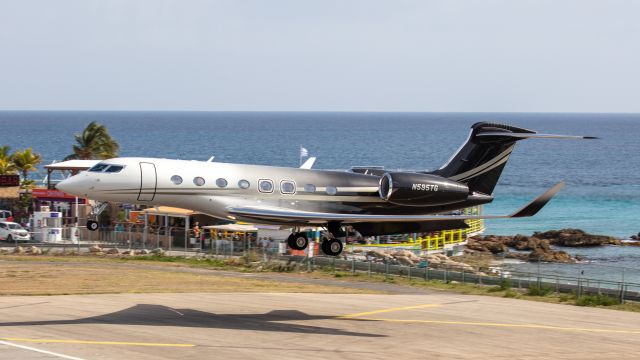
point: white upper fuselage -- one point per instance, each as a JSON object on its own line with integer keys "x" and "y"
{"x": 212, "y": 187}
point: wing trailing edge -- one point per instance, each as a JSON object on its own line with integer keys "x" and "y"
{"x": 258, "y": 213}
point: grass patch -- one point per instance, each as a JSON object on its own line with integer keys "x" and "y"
{"x": 597, "y": 300}
{"x": 539, "y": 290}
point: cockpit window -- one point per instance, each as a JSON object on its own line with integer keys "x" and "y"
{"x": 114, "y": 169}
{"x": 98, "y": 167}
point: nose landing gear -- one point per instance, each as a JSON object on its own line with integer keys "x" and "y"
{"x": 92, "y": 225}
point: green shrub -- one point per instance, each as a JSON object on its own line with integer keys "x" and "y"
{"x": 597, "y": 300}
{"x": 539, "y": 290}
{"x": 511, "y": 294}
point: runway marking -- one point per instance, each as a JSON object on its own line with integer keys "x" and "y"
{"x": 63, "y": 356}
{"x": 15, "y": 306}
{"x": 362, "y": 316}
{"x": 526, "y": 326}
{"x": 63, "y": 341}
{"x": 350, "y": 316}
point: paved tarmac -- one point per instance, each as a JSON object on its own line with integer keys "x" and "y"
{"x": 437, "y": 325}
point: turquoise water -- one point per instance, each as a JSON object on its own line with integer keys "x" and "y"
{"x": 603, "y": 176}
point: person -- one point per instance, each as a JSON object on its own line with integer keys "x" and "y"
{"x": 196, "y": 230}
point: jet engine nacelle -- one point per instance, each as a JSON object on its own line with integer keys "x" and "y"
{"x": 412, "y": 189}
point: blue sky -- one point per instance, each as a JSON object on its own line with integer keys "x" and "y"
{"x": 394, "y": 55}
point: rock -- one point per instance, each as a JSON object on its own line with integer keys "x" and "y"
{"x": 576, "y": 238}
{"x": 127, "y": 252}
{"x": 113, "y": 251}
{"x": 550, "y": 256}
{"x": 141, "y": 252}
{"x": 404, "y": 260}
{"x": 95, "y": 249}
{"x": 18, "y": 250}
{"x": 157, "y": 251}
{"x": 34, "y": 250}
{"x": 517, "y": 255}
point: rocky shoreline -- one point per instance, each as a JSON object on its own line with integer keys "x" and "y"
{"x": 538, "y": 247}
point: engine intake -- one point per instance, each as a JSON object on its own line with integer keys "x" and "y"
{"x": 412, "y": 189}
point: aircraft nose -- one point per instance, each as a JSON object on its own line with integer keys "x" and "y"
{"x": 71, "y": 186}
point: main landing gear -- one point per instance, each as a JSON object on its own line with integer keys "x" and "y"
{"x": 298, "y": 241}
{"x": 330, "y": 244}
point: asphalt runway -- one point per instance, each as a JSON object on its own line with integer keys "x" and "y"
{"x": 309, "y": 326}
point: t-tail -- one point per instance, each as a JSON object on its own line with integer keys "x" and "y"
{"x": 480, "y": 160}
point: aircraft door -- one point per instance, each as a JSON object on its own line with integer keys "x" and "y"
{"x": 148, "y": 181}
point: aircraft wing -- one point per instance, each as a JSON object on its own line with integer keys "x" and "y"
{"x": 267, "y": 213}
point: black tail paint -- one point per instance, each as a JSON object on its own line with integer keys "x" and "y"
{"x": 480, "y": 160}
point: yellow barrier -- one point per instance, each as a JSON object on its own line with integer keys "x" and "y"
{"x": 437, "y": 240}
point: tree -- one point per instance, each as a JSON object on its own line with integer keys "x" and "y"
{"x": 94, "y": 143}
{"x": 25, "y": 161}
{"x": 7, "y": 167}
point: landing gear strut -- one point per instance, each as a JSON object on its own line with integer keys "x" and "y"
{"x": 298, "y": 241}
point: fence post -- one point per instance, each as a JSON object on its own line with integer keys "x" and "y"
{"x": 369, "y": 268}
{"x": 409, "y": 273}
{"x": 445, "y": 273}
{"x": 353, "y": 266}
{"x": 333, "y": 263}
{"x": 463, "y": 275}
{"x": 386, "y": 270}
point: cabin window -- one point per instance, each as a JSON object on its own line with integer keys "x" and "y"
{"x": 244, "y": 184}
{"x": 287, "y": 187}
{"x": 114, "y": 169}
{"x": 221, "y": 182}
{"x": 310, "y": 188}
{"x": 331, "y": 190}
{"x": 265, "y": 185}
{"x": 176, "y": 179}
{"x": 98, "y": 167}
{"x": 199, "y": 181}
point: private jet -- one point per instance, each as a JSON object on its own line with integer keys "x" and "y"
{"x": 369, "y": 199}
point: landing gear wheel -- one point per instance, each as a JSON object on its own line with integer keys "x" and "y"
{"x": 9, "y": 238}
{"x": 332, "y": 247}
{"x": 92, "y": 225}
{"x": 298, "y": 241}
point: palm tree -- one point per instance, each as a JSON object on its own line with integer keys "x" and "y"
{"x": 25, "y": 161}
{"x": 7, "y": 167}
{"x": 94, "y": 143}
{"x": 4, "y": 152}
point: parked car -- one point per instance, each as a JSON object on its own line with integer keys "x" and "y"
{"x": 6, "y": 215}
{"x": 11, "y": 231}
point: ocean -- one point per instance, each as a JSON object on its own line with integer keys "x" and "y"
{"x": 602, "y": 176}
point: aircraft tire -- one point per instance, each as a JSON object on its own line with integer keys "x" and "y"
{"x": 298, "y": 241}
{"x": 92, "y": 225}
{"x": 332, "y": 247}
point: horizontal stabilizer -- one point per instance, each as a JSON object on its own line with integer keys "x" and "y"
{"x": 532, "y": 136}
{"x": 538, "y": 203}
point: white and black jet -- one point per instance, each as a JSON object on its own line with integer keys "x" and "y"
{"x": 372, "y": 201}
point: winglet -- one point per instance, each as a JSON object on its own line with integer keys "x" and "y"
{"x": 538, "y": 203}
